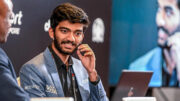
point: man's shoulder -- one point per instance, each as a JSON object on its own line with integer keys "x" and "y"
{"x": 2, "y": 53}
{"x": 152, "y": 53}
{"x": 3, "y": 56}
{"x": 38, "y": 59}
{"x": 152, "y": 56}
{"x": 35, "y": 64}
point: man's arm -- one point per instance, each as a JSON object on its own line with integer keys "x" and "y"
{"x": 174, "y": 44}
{"x": 10, "y": 91}
{"x": 97, "y": 92}
{"x": 31, "y": 81}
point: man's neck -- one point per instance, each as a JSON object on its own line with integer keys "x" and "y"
{"x": 63, "y": 57}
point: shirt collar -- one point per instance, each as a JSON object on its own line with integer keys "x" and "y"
{"x": 57, "y": 59}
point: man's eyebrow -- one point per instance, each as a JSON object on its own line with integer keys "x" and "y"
{"x": 64, "y": 28}
{"x": 78, "y": 30}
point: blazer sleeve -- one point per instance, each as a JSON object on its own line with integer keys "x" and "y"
{"x": 32, "y": 81}
{"x": 10, "y": 91}
{"x": 97, "y": 92}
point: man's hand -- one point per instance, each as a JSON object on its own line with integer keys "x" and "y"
{"x": 174, "y": 43}
{"x": 88, "y": 60}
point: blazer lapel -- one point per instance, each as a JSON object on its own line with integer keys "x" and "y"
{"x": 51, "y": 67}
{"x": 82, "y": 80}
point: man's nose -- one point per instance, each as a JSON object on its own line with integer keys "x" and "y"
{"x": 71, "y": 37}
{"x": 161, "y": 20}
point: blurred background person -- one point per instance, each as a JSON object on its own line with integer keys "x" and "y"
{"x": 164, "y": 60}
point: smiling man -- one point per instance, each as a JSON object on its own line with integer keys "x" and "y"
{"x": 55, "y": 73}
{"x": 164, "y": 60}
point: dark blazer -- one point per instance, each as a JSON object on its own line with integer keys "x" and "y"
{"x": 39, "y": 77}
{"x": 9, "y": 89}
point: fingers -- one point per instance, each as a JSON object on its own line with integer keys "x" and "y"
{"x": 84, "y": 48}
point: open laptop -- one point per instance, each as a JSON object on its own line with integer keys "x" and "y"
{"x": 132, "y": 83}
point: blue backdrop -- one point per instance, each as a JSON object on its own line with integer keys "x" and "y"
{"x": 133, "y": 33}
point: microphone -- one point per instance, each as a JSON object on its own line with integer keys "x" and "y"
{"x": 74, "y": 86}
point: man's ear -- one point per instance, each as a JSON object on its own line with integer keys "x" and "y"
{"x": 82, "y": 38}
{"x": 51, "y": 33}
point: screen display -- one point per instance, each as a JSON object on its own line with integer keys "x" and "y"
{"x": 145, "y": 36}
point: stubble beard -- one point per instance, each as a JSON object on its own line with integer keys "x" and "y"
{"x": 59, "y": 48}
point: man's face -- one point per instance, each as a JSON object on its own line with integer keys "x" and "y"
{"x": 167, "y": 19}
{"x": 68, "y": 36}
{"x": 5, "y": 15}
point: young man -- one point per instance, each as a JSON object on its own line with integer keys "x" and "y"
{"x": 55, "y": 73}
{"x": 165, "y": 59}
{"x": 9, "y": 89}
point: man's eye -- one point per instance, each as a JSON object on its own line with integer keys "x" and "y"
{"x": 78, "y": 33}
{"x": 64, "y": 31}
{"x": 169, "y": 12}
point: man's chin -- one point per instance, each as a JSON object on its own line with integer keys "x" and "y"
{"x": 163, "y": 45}
{"x": 68, "y": 53}
{"x": 3, "y": 40}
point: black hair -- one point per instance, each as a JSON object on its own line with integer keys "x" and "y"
{"x": 72, "y": 13}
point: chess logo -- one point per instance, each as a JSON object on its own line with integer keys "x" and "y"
{"x": 16, "y": 21}
{"x": 98, "y": 31}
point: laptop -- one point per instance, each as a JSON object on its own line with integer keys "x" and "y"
{"x": 132, "y": 84}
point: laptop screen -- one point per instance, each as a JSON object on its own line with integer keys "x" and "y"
{"x": 132, "y": 83}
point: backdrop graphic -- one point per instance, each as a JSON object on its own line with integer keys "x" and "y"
{"x": 28, "y": 35}
{"x": 133, "y": 33}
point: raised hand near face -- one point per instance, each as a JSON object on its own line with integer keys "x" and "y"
{"x": 88, "y": 60}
